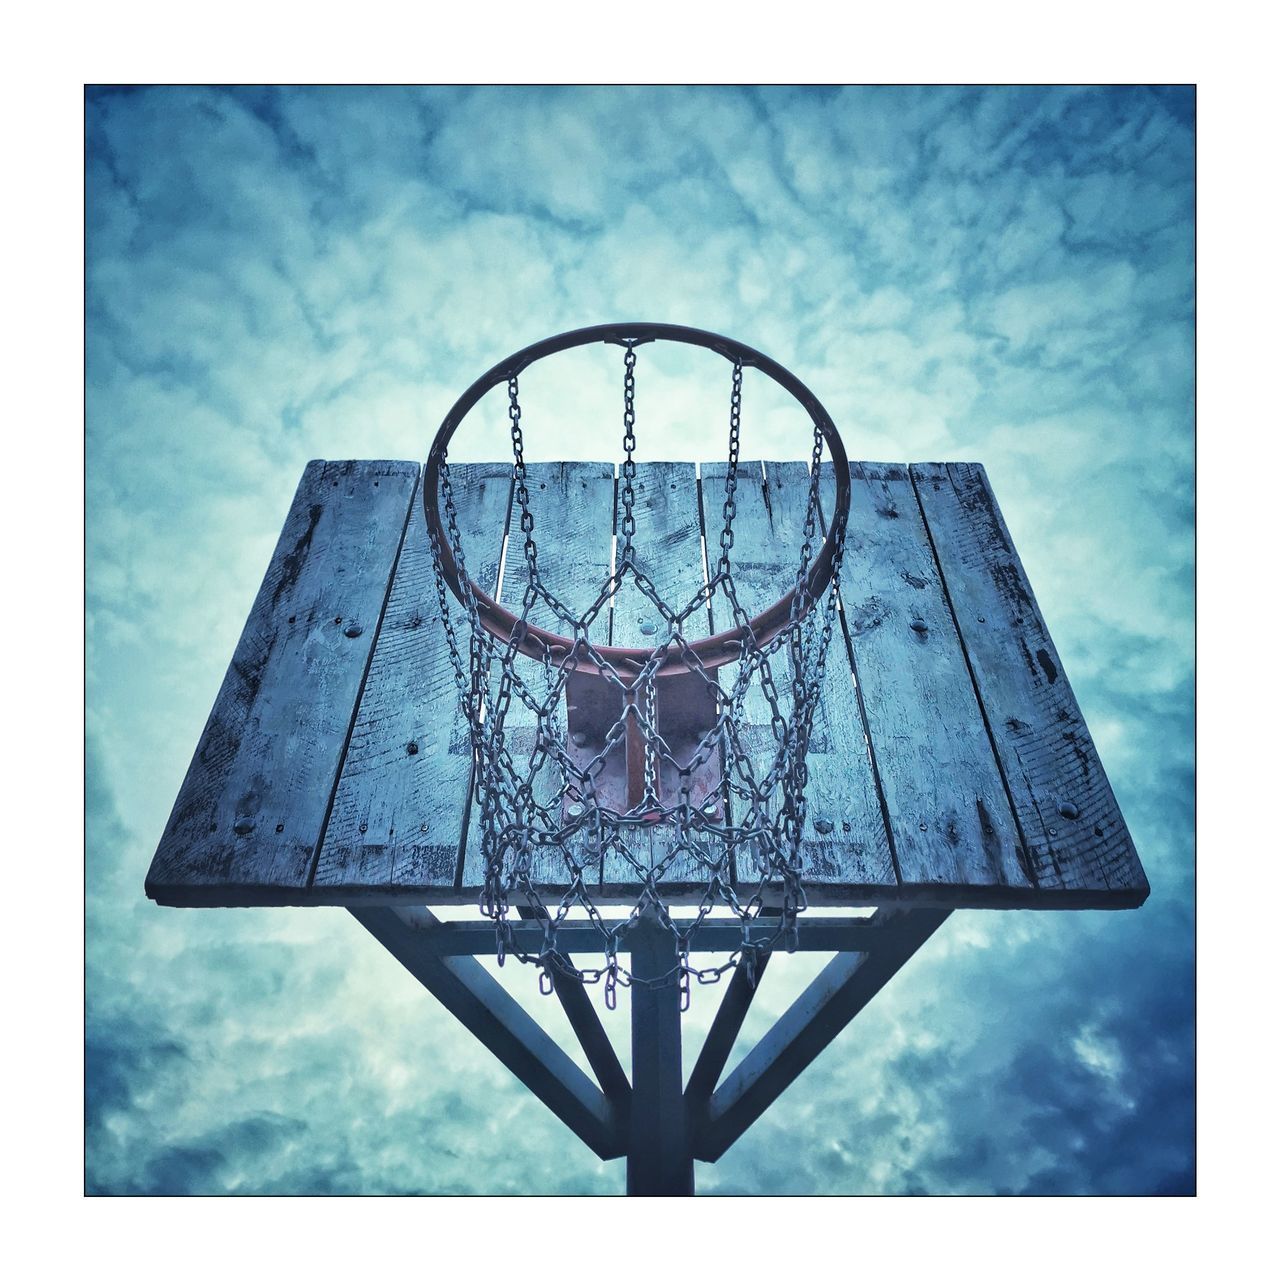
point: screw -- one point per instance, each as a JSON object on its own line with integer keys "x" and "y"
{"x": 423, "y": 827}
{"x": 279, "y": 827}
{"x": 412, "y": 749}
{"x": 1068, "y": 810}
{"x": 337, "y": 619}
{"x": 1053, "y": 831}
{"x": 981, "y": 619}
{"x": 364, "y": 826}
{"x": 352, "y": 629}
{"x": 243, "y": 826}
{"x": 924, "y": 826}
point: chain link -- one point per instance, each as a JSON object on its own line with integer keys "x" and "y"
{"x": 544, "y": 802}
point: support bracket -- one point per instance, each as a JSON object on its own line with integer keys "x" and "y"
{"x": 659, "y": 1127}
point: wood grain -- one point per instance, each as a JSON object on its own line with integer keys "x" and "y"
{"x": 401, "y": 802}
{"x": 572, "y": 508}
{"x": 948, "y": 814}
{"x": 668, "y": 547}
{"x": 1067, "y": 814}
{"x": 850, "y": 845}
{"x": 251, "y": 812}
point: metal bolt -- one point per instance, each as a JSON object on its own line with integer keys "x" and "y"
{"x": 364, "y": 826}
{"x": 648, "y": 627}
{"x": 924, "y": 826}
{"x": 576, "y": 809}
{"x": 578, "y": 737}
{"x": 823, "y": 827}
{"x": 981, "y": 619}
{"x": 411, "y": 749}
{"x": 423, "y": 827}
{"x": 919, "y": 626}
{"x": 1068, "y": 810}
{"x": 243, "y": 826}
{"x": 710, "y": 805}
{"x": 352, "y": 629}
{"x": 1053, "y": 831}
{"x": 279, "y": 827}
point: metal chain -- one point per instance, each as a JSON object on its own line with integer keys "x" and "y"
{"x": 543, "y": 802}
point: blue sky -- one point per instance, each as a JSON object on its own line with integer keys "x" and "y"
{"x": 998, "y": 275}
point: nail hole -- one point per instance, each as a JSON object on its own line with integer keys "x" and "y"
{"x": 279, "y": 827}
{"x": 412, "y": 749}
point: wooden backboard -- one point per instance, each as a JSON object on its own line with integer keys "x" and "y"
{"x": 950, "y": 765}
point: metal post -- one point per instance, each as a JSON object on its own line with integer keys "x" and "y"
{"x": 659, "y": 1156}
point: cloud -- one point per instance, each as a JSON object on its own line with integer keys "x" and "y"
{"x": 275, "y": 275}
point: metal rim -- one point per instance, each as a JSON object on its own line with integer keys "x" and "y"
{"x": 711, "y": 651}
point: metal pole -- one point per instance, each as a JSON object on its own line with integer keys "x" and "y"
{"x": 659, "y": 1157}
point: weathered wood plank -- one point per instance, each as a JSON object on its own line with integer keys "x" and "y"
{"x": 252, "y": 809}
{"x": 401, "y": 803}
{"x": 1067, "y": 814}
{"x": 572, "y": 508}
{"x": 949, "y": 815}
{"x": 844, "y": 840}
{"x": 668, "y": 548}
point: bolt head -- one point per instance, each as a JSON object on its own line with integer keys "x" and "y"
{"x": 1068, "y": 810}
{"x": 243, "y": 826}
{"x": 352, "y": 629}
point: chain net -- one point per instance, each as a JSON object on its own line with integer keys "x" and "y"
{"x": 545, "y": 828}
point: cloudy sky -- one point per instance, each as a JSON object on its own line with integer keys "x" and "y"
{"x": 997, "y": 275}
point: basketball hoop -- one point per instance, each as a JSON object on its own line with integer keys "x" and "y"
{"x": 639, "y": 753}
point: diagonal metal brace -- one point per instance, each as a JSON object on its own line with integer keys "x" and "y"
{"x": 818, "y": 1015}
{"x": 591, "y": 1034}
{"x": 495, "y": 1018}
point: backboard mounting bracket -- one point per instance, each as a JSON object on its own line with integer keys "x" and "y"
{"x": 658, "y": 1125}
